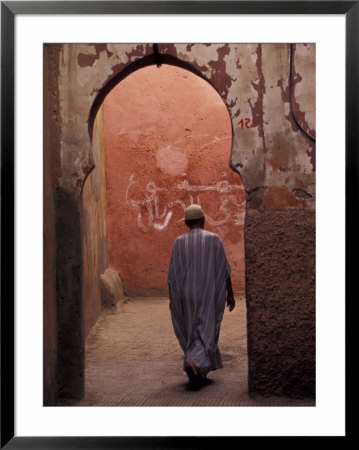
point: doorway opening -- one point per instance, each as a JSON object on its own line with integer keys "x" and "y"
{"x": 162, "y": 140}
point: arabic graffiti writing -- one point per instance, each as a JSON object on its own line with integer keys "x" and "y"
{"x": 152, "y": 215}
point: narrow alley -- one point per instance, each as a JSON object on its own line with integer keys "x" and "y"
{"x": 133, "y": 359}
{"x": 129, "y": 144}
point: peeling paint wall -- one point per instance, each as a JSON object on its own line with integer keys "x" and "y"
{"x": 269, "y": 90}
{"x": 168, "y": 144}
{"x": 253, "y": 81}
{"x": 84, "y": 71}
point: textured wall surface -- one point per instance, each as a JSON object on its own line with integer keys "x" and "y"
{"x": 269, "y": 90}
{"x": 280, "y": 268}
{"x": 69, "y": 267}
{"x": 51, "y": 166}
{"x": 168, "y": 144}
{"x": 254, "y": 82}
{"x": 94, "y": 244}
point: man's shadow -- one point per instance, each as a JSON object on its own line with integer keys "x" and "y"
{"x": 204, "y": 384}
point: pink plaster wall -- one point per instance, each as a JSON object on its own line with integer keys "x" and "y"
{"x": 167, "y": 143}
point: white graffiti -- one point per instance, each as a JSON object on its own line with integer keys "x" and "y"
{"x": 221, "y": 186}
{"x": 159, "y": 218}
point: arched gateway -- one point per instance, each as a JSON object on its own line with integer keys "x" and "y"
{"x": 270, "y": 99}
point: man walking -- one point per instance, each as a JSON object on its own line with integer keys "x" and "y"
{"x": 198, "y": 278}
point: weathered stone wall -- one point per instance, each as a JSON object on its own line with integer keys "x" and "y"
{"x": 168, "y": 140}
{"x": 280, "y": 229}
{"x": 94, "y": 237}
{"x": 280, "y": 268}
{"x": 69, "y": 267}
{"x": 272, "y": 108}
{"x": 253, "y": 81}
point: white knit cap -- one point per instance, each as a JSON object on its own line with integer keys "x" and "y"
{"x": 193, "y": 212}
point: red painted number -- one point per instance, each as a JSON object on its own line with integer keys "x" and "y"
{"x": 245, "y": 123}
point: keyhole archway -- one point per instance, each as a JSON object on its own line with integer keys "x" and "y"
{"x": 279, "y": 193}
{"x": 167, "y": 140}
{"x": 162, "y": 140}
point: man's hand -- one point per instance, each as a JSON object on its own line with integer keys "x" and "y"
{"x": 230, "y": 302}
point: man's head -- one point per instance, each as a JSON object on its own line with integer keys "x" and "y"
{"x": 194, "y": 216}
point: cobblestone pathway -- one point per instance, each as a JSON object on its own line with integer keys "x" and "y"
{"x": 133, "y": 359}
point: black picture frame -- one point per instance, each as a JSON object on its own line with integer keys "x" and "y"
{"x": 9, "y": 9}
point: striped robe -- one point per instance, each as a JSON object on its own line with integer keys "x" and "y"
{"x": 197, "y": 277}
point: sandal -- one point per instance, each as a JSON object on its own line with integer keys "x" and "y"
{"x": 194, "y": 379}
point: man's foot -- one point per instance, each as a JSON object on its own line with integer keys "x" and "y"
{"x": 205, "y": 381}
{"x": 194, "y": 379}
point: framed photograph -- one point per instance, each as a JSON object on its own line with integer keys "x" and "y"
{"x": 97, "y": 173}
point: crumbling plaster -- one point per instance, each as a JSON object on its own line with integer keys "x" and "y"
{"x": 253, "y": 80}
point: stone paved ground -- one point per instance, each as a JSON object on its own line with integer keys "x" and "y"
{"x": 133, "y": 359}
